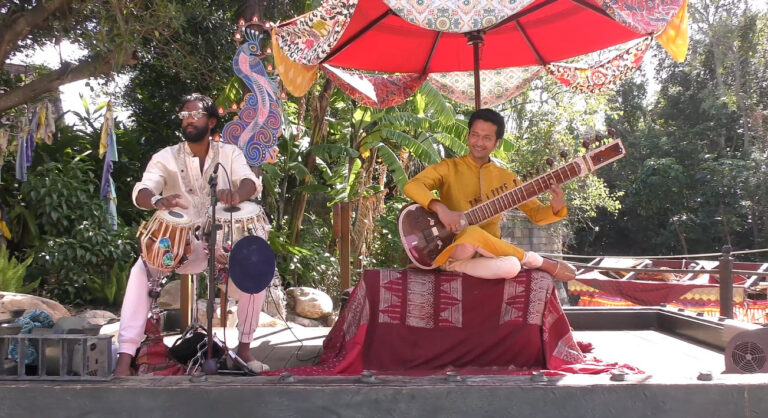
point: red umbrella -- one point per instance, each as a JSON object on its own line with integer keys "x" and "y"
{"x": 422, "y": 37}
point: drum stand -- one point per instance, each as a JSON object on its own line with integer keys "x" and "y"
{"x": 211, "y": 365}
{"x": 202, "y": 349}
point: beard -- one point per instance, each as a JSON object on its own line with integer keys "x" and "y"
{"x": 194, "y": 134}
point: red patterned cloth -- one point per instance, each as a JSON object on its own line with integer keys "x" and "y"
{"x": 642, "y": 16}
{"x": 643, "y": 293}
{"x": 309, "y": 38}
{"x": 604, "y": 75}
{"x": 378, "y": 91}
{"x": 496, "y": 86}
{"x": 418, "y": 323}
{"x": 152, "y": 358}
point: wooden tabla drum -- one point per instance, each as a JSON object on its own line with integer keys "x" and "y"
{"x": 239, "y": 221}
{"x": 165, "y": 239}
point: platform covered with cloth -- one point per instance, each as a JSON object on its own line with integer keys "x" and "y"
{"x": 418, "y": 323}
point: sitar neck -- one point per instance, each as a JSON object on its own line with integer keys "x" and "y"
{"x": 524, "y": 192}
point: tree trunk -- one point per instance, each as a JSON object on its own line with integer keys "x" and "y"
{"x": 19, "y": 25}
{"x": 318, "y": 123}
{"x": 67, "y": 73}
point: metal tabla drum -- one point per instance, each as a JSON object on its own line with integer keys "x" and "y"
{"x": 245, "y": 219}
{"x": 165, "y": 239}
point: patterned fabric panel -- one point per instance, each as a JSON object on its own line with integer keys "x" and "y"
{"x": 456, "y": 15}
{"x": 309, "y": 38}
{"x": 378, "y": 91}
{"x": 642, "y": 16}
{"x": 415, "y": 305}
{"x": 604, "y": 75}
{"x": 496, "y": 86}
{"x": 297, "y": 78}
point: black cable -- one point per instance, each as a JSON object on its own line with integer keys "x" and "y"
{"x": 274, "y": 302}
{"x": 224, "y": 304}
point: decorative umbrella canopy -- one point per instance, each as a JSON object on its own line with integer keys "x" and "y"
{"x": 438, "y": 36}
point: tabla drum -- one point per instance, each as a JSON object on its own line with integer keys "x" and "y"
{"x": 245, "y": 219}
{"x": 165, "y": 239}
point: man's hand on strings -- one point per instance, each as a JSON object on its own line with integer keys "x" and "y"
{"x": 557, "y": 202}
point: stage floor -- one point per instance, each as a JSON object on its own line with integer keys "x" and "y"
{"x": 670, "y": 386}
{"x": 655, "y": 352}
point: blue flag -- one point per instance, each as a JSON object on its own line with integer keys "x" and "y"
{"x": 109, "y": 142}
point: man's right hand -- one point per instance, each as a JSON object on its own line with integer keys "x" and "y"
{"x": 451, "y": 219}
{"x": 169, "y": 202}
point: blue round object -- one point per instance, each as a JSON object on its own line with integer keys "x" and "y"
{"x": 251, "y": 264}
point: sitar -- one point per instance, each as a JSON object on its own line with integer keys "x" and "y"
{"x": 424, "y": 237}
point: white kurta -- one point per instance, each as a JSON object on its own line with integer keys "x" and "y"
{"x": 174, "y": 170}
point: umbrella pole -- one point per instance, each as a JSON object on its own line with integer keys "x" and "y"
{"x": 475, "y": 39}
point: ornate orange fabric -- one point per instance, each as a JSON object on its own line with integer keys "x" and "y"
{"x": 297, "y": 78}
{"x": 674, "y": 38}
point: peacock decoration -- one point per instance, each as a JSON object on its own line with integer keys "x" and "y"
{"x": 259, "y": 120}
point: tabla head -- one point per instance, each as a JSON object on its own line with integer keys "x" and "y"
{"x": 251, "y": 264}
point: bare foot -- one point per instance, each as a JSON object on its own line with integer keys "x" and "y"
{"x": 244, "y": 352}
{"x": 123, "y": 367}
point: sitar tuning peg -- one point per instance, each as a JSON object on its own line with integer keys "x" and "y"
{"x": 611, "y": 132}
{"x": 529, "y": 175}
{"x": 586, "y": 143}
{"x": 550, "y": 162}
{"x": 564, "y": 154}
{"x": 598, "y": 138}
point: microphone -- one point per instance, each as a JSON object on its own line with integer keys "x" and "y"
{"x": 214, "y": 176}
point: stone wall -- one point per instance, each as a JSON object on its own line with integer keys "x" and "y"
{"x": 519, "y": 230}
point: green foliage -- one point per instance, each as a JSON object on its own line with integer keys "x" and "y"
{"x": 12, "y": 273}
{"x": 694, "y": 175}
{"x": 311, "y": 262}
{"x": 75, "y": 249}
{"x": 111, "y": 290}
{"x": 69, "y": 264}
{"x": 387, "y": 251}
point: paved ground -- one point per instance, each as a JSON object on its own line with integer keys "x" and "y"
{"x": 279, "y": 348}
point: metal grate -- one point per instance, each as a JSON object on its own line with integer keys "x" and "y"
{"x": 748, "y": 356}
{"x": 59, "y": 357}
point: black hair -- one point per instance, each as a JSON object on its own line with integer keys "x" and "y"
{"x": 488, "y": 115}
{"x": 208, "y": 106}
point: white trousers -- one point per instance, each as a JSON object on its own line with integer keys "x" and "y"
{"x": 136, "y": 305}
{"x": 464, "y": 260}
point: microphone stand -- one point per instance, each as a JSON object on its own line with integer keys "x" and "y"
{"x": 211, "y": 365}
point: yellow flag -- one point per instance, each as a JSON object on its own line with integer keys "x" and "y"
{"x": 104, "y": 130}
{"x": 674, "y": 38}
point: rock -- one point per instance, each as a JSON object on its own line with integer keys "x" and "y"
{"x": 304, "y": 322}
{"x": 170, "y": 296}
{"x": 331, "y": 319}
{"x": 265, "y": 320}
{"x": 98, "y": 317}
{"x": 11, "y": 301}
{"x": 310, "y": 303}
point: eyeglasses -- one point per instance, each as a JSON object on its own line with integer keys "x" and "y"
{"x": 194, "y": 115}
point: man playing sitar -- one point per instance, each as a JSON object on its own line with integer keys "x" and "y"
{"x": 467, "y": 182}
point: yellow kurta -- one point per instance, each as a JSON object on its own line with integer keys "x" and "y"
{"x": 462, "y": 185}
